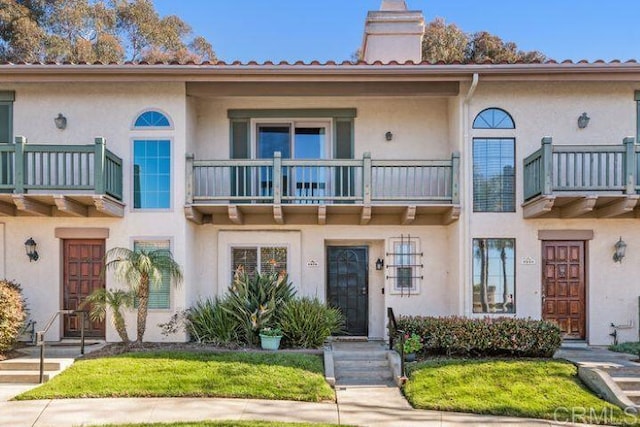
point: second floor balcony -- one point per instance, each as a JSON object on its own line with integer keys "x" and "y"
{"x": 60, "y": 180}
{"x": 336, "y": 191}
{"x": 591, "y": 181}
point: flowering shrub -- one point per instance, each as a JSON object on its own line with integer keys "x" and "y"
{"x": 412, "y": 343}
{"x": 504, "y": 336}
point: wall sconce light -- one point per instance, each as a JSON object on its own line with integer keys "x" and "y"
{"x": 30, "y": 247}
{"x": 388, "y": 136}
{"x": 379, "y": 264}
{"x": 621, "y": 248}
{"x": 60, "y": 121}
{"x": 583, "y": 121}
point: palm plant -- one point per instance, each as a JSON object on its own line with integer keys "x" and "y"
{"x": 141, "y": 269}
{"x": 115, "y": 300}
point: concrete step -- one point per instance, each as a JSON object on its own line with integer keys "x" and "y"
{"x": 632, "y": 393}
{"x": 359, "y": 355}
{"x": 364, "y": 382}
{"x": 627, "y": 371}
{"x": 364, "y": 373}
{"x": 635, "y": 399}
{"x": 627, "y": 383}
{"x": 29, "y": 365}
{"x": 363, "y": 364}
{"x": 23, "y": 377}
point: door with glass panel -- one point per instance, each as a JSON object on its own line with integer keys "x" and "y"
{"x": 301, "y": 183}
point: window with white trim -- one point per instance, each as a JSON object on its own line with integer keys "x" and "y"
{"x": 159, "y": 295}
{"x": 263, "y": 259}
{"x": 405, "y": 269}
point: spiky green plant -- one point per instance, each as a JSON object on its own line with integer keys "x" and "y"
{"x": 307, "y": 322}
{"x": 254, "y": 300}
{"x": 141, "y": 269}
{"x": 208, "y": 322}
{"x": 115, "y": 300}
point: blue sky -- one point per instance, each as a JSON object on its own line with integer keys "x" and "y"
{"x": 332, "y": 29}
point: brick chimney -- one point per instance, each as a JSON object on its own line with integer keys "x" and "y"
{"x": 393, "y": 33}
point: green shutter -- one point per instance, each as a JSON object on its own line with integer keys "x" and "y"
{"x": 160, "y": 295}
{"x": 344, "y": 177}
{"x": 6, "y": 122}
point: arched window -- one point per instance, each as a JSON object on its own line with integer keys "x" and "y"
{"x": 493, "y": 118}
{"x": 152, "y": 119}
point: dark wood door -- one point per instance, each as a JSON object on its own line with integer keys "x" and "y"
{"x": 348, "y": 286}
{"x": 82, "y": 272}
{"x": 563, "y": 287}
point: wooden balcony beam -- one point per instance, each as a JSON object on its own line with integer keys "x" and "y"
{"x": 579, "y": 207}
{"x": 7, "y": 209}
{"x": 70, "y": 207}
{"x": 30, "y": 206}
{"x": 539, "y": 207}
{"x": 620, "y": 207}
{"x": 452, "y": 215}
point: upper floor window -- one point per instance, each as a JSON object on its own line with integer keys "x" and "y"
{"x": 152, "y": 119}
{"x": 493, "y": 118}
{"x": 494, "y": 160}
{"x": 6, "y": 116}
{"x": 151, "y": 174}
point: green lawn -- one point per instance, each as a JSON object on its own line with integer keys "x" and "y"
{"x": 521, "y": 388}
{"x": 281, "y": 376}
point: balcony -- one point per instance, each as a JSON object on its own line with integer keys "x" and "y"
{"x": 337, "y": 191}
{"x": 573, "y": 181}
{"x": 60, "y": 180}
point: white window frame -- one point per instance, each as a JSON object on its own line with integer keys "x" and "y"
{"x": 258, "y": 247}
{"x": 293, "y": 124}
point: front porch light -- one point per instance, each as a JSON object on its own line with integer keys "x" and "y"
{"x": 621, "y": 248}
{"x": 379, "y": 264}
{"x": 60, "y": 121}
{"x": 30, "y": 247}
{"x": 583, "y": 121}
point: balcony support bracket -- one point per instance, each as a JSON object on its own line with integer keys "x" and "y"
{"x": 70, "y": 207}
{"x": 193, "y": 215}
{"x": 31, "y": 206}
{"x": 278, "y": 216}
{"x": 365, "y": 215}
{"x": 409, "y": 215}
{"x": 539, "y": 207}
{"x": 108, "y": 206}
{"x": 452, "y": 215}
{"x": 235, "y": 215}
{"x": 578, "y": 208}
{"x": 620, "y": 207}
{"x": 322, "y": 215}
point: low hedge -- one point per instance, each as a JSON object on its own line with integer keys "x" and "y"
{"x": 13, "y": 312}
{"x": 504, "y": 336}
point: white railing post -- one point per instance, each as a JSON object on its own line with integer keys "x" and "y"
{"x": 547, "y": 165}
{"x": 366, "y": 179}
{"x": 277, "y": 178}
{"x": 189, "y": 157}
{"x": 630, "y": 165}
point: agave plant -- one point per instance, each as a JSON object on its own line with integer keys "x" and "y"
{"x": 254, "y": 300}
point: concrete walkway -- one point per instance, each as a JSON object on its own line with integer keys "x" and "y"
{"x": 359, "y": 407}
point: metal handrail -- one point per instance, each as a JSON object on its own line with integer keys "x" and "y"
{"x": 40, "y": 335}
{"x": 393, "y": 331}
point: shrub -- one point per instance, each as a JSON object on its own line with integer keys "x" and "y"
{"x": 307, "y": 322}
{"x": 484, "y": 337}
{"x": 13, "y": 313}
{"x": 255, "y": 300}
{"x": 209, "y": 322}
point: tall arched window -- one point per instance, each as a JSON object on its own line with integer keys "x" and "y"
{"x": 494, "y": 163}
{"x": 494, "y": 118}
{"x": 151, "y": 161}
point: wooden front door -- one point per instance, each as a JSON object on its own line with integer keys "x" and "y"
{"x": 348, "y": 286}
{"x": 82, "y": 271}
{"x": 563, "y": 287}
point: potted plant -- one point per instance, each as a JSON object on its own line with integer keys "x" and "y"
{"x": 412, "y": 344}
{"x": 270, "y": 338}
